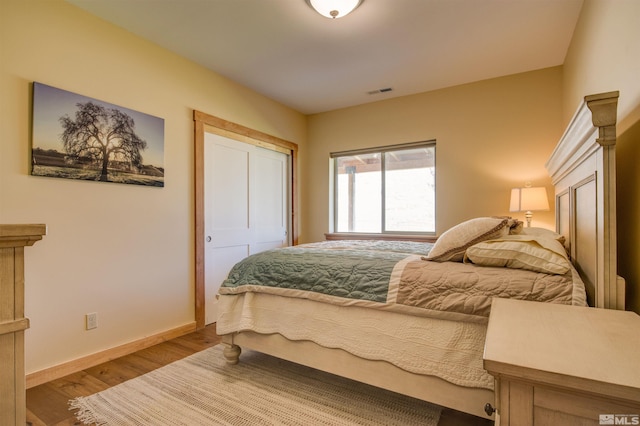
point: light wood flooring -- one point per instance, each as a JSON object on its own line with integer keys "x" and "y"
{"x": 47, "y": 404}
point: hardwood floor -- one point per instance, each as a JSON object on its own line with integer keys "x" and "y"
{"x": 47, "y": 404}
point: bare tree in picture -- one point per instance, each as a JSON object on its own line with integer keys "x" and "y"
{"x": 102, "y": 136}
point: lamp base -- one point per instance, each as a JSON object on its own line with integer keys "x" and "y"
{"x": 528, "y": 215}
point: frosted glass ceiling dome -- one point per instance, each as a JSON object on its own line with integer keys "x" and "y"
{"x": 334, "y": 8}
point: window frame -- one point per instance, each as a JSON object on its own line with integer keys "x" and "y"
{"x": 407, "y": 235}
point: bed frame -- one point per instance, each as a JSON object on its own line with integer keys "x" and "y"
{"x": 583, "y": 171}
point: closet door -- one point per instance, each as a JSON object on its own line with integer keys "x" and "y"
{"x": 246, "y": 207}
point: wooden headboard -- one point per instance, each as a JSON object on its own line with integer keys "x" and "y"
{"x": 583, "y": 171}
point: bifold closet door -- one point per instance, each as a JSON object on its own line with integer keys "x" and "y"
{"x": 246, "y": 207}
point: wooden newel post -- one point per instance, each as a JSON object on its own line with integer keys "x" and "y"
{"x": 13, "y": 239}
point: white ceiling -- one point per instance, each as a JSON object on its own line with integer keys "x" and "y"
{"x": 289, "y": 53}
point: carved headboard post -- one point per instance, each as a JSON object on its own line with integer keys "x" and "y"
{"x": 604, "y": 116}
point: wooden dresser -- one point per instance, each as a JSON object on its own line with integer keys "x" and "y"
{"x": 563, "y": 365}
{"x": 13, "y": 239}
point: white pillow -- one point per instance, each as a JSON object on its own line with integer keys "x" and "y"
{"x": 452, "y": 244}
{"x": 521, "y": 252}
{"x": 543, "y": 232}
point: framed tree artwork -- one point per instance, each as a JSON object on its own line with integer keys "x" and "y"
{"x": 77, "y": 137}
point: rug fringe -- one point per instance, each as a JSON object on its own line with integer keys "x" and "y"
{"x": 84, "y": 413}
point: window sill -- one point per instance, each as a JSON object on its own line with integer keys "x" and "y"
{"x": 335, "y": 236}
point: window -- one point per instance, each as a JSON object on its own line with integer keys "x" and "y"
{"x": 385, "y": 190}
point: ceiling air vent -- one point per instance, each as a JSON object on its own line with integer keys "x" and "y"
{"x": 374, "y": 92}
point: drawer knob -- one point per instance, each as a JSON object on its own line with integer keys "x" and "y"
{"x": 488, "y": 408}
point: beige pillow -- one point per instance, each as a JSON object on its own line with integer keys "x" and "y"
{"x": 543, "y": 232}
{"x": 452, "y": 244}
{"x": 521, "y": 252}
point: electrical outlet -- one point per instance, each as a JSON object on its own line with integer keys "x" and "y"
{"x": 91, "y": 321}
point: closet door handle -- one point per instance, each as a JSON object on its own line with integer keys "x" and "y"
{"x": 208, "y": 239}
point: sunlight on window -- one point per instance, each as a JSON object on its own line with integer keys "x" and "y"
{"x": 386, "y": 191}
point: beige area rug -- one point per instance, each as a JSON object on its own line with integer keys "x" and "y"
{"x": 261, "y": 390}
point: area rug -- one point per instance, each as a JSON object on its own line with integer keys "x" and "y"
{"x": 261, "y": 390}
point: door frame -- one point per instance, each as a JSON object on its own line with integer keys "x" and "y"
{"x": 205, "y": 123}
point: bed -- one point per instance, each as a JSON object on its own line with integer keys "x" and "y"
{"x": 413, "y": 316}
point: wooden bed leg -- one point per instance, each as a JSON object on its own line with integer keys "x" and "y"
{"x": 232, "y": 353}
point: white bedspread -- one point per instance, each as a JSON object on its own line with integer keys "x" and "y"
{"x": 451, "y": 350}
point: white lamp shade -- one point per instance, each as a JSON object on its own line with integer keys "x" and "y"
{"x": 334, "y": 8}
{"x": 529, "y": 199}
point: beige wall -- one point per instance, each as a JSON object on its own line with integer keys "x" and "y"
{"x": 123, "y": 251}
{"x": 605, "y": 56}
{"x": 491, "y": 136}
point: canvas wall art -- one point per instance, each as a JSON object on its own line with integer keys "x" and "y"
{"x": 77, "y": 137}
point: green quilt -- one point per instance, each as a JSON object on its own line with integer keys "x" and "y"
{"x": 349, "y": 269}
{"x": 394, "y": 276}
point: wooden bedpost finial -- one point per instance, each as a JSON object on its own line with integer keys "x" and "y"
{"x": 604, "y": 115}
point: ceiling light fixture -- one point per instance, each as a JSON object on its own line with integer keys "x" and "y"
{"x": 334, "y": 8}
